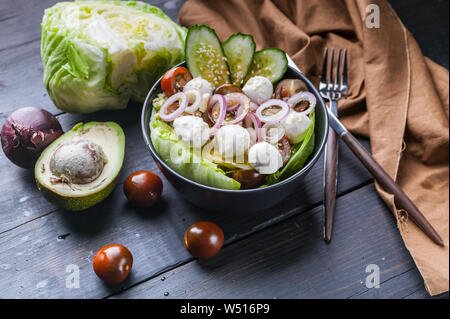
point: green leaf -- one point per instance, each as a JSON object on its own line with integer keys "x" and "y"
{"x": 301, "y": 152}
{"x": 184, "y": 160}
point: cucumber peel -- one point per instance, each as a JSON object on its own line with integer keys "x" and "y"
{"x": 270, "y": 63}
{"x": 205, "y": 56}
{"x": 239, "y": 50}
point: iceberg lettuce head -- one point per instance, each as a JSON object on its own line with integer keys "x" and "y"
{"x": 100, "y": 54}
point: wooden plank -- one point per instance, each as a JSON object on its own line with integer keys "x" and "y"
{"x": 290, "y": 259}
{"x": 398, "y": 286}
{"x": 27, "y": 204}
{"x": 155, "y": 238}
{"x": 21, "y": 81}
{"x": 20, "y": 21}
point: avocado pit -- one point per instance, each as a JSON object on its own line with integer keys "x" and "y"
{"x": 77, "y": 162}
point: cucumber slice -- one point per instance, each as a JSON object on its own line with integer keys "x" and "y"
{"x": 205, "y": 57}
{"x": 239, "y": 50}
{"x": 271, "y": 63}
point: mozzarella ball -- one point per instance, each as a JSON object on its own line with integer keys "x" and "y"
{"x": 192, "y": 130}
{"x": 200, "y": 85}
{"x": 295, "y": 125}
{"x": 265, "y": 158}
{"x": 259, "y": 89}
{"x": 204, "y": 87}
{"x": 232, "y": 141}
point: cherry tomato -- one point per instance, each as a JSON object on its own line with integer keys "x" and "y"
{"x": 249, "y": 178}
{"x": 143, "y": 188}
{"x": 288, "y": 87}
{"x": 112, "y": 263}
{"x": 227, "y": 88}
{"x": 285, "y": 149}
{"x": 300, "y": 107}
{"x": 174, "y": 80}
{"x": 208, "y": 118}
{"x": 203, "y": 239}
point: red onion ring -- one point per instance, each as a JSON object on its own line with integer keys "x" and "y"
{"x": 183, "y": 102}
{"x": 272, "y": 139}
{"x": 233, "y": 107}
{"x": 303, "y": 96}
{"x": 197, "y": 103}
{"x": 217, "y": 98}
{"x": 277, "y": 117}
{"x": 252, "y": 120}
{"x": 253, "y": 106}
{"x": 243, "y": 101}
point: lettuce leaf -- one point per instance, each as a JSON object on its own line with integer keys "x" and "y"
{"x": 301, "y": 152}
{"x": 184, "y": 160}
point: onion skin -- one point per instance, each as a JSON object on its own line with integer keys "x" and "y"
{"x": 26, "y": 133}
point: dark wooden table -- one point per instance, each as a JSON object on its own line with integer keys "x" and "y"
{"x": 277, "y": 253}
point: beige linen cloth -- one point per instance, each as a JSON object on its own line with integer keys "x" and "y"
{"x": 397, "y": 97}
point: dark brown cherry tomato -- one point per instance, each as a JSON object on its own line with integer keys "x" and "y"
{"x": 285, "y": 149}
{"x": 211, "y": 114}
{"x": 249, "y": 178}
{"x": 174, "y": 80}
{"x": 143, "y": 188}
{"x": 227, "y": 88}
{"x": 288, "y": 87}
{"x": 207, "y": 117}
{"x": 300, "y": 107}
{"x": 203, "y": 239}
{"x": 112, "y": 263}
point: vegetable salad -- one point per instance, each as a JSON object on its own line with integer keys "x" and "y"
{"x": 229, "y": 120}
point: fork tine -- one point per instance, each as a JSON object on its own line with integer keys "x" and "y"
{"x": 338, "y": 64}
{"x": 330, "y": 79}
{"x": 344, "y": 71}
{"x": 323, "y": 79}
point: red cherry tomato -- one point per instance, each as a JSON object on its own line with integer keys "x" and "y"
{"x": 203, "y": 239}
{"x": 143, "y": 188}
{"x": 174, "y": 80}
{"x": 112, "y": 263}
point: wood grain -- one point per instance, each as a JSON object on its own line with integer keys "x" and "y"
{"x": 289, "y": 260}
{"x": 155, "y": 237}
{"x": 28, "y": 203}
{"x": 275, "y": 253}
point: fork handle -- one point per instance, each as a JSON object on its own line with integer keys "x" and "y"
{"x": 330, "y": 179}
{"x": 389, "y": 185}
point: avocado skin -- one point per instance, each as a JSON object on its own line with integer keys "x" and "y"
{"x": 78, "y": 203}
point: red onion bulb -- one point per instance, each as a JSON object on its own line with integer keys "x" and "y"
{"x": 26, "y": 133}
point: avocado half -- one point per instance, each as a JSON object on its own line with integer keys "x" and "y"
{"x": 73, "y": 196}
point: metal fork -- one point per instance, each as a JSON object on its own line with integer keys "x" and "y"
{"x": 333, "y": 91}
{"x": 333, "y": 88}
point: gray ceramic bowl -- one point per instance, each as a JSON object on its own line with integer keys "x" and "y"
{"x": 238, "y": 200}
